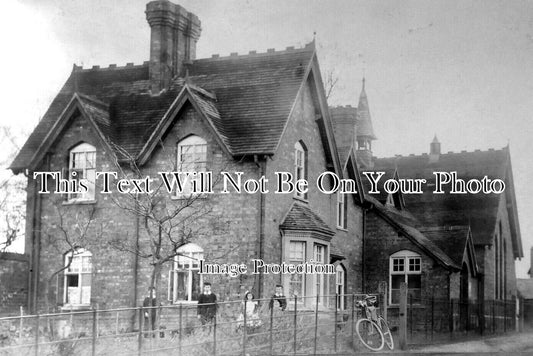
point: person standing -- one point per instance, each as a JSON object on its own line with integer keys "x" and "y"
{"x": 279, "y": 298}
{"x": 150, "y": 311}
{"x": 207, "y": 307}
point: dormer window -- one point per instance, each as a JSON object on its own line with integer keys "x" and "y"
{"x": 191, "y": 158}
{"x": 82, "y": 168}
{"x": 300, "y": 165}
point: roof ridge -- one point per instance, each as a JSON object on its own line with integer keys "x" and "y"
{"x": 129, "y": 65}
{"x": 443, "y": 228}
{"x": 447, "y": 153}
{"x": 253, "y": 53}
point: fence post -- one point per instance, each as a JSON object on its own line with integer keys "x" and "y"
{"x": 180, "y": 329}
{"x": 140, "y": 341}
{"x": 37, "y": 334}
{"x": 403, "y": 316}
{"x": 432, "y": 315}
{"x": 271, "y": 327}
{"x": 504, "y": 316}
{"x": 93, "y": 341}
{"x": 384, "y": 292}
{"x": 450, "y": 318}
{"x": 517, "y": 314}
{"x": 316, "y": 326}
{"x": 411, "y": 316}
{"x": 21, "y": 321}
{"x": 215, "y": 335}
{"x": 295, "y": 320}
{"x": 335, "y": 323}
{"x": 481, "y": 315}
{"x": 244, "y": 330}
{"x": 353, "y": 315}
{"x": 116, "y": 324}
{"x": 492, "y": 312}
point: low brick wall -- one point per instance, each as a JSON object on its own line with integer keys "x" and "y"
{"x": 13, "y": 282}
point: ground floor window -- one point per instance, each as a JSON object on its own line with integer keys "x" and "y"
{"x": 78, "y": 278}
{"x": 185, "y": 281}
{"x": 339, "y": 286}
{"x": 405, "y": 266}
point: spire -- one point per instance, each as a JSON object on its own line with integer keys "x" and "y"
{"x": 434, "y": 148}
{"x": 364, "y": 121}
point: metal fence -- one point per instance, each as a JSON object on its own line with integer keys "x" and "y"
{"x": 307, "y": 326}
{"x": 431, "y": 320}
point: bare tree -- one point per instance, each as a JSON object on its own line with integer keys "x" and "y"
{"x": 167, "y": 223}
{"x": 331, "y": 79}
{"x": 12, "y": 191}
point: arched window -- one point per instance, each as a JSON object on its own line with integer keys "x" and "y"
{"x": 82, "y": 167}
{"x": 191, "y": 157}
{"x": 405, "y": 266}
{"x": 340, "y": 275}
{"x": 185, "y": 281}
{"x": 78, "y": 278}
{"x": 300, "y": 165}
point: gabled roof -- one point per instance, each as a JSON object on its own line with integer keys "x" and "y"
{"x": 301, "y": 218}
{"x": 455, "y": 241}
{"x": 405, "y": 224}
{"x": 247, "y": 100}
{"x": 343, "y": 119}
{"x": 479, "y": 211}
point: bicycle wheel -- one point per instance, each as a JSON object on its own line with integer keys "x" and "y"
{"x": 387, "y": 335}
{"x": 370, "y": 334}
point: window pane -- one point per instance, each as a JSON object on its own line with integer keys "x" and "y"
{"x": 297, "y": 251}
{"x": 396, "y": 280}
{"x": 414, "y": 281}
{"x": 195, "y": 285}
{"x": 183, "y": 282}
{"x": 398, "y": 264}
{"x": 395, "y": 296}
{"x": 414, "y": 264}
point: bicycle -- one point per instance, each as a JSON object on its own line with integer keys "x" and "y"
{"x": 373, "y": 331}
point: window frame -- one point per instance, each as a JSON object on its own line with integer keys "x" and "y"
{"x": 300, "y": 170}
{"x": 340, "y": 277}
{"x": 297, "y": 261}
{"x": 195, "y": 142}
{"x": 79, "y": 253}
{"x": 342, "y": 211}
{"x": 192, "y": 252}
{"x": 405, "y": 256}
{"x": 83, "y": 149}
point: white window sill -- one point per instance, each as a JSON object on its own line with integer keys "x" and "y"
{"x": 75, "y": 307}
{"x": 80, "y": 202}
{"x": 342, "y": 228}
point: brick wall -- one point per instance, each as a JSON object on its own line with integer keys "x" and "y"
{"x": 229, "y": 234}
{"x": 13, "y": 282}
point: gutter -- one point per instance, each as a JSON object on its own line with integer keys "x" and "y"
{"x": 261, "y": 225}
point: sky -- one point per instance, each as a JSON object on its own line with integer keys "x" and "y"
{"x": 459, "y": 69}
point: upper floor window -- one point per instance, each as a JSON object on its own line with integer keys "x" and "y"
{"x": 82, "y": 167}
{"x": 300, "y": 165}
{"x": 405, "y": 266}
{"x": 191, "y": 158}
{"x": 341, "y": 210}
{"x": 78, "y": 278}
{"x": 185, "y": 281}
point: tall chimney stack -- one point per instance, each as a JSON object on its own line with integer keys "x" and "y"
{"x": 174, "y": 33}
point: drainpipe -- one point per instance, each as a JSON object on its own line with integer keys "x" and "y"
{"x": 261, "y": 225}
{"x": 135, "y": 262}
{"x": 363, "y": 271}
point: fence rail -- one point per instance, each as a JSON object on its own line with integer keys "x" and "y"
{"x": 308, "y": 325}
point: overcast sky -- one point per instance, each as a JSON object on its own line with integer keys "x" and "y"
{"x": 459, "y": 69}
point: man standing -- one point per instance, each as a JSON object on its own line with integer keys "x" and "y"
{"x": 279, "y": 298}
{"x": 150, "y": 311}
{"x": 207, "y": 307}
